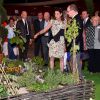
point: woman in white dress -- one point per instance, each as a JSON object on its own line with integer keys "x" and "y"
{"x": 57, "y": 43}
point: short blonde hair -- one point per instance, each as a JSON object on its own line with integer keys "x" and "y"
{"x": 95, "y": 18}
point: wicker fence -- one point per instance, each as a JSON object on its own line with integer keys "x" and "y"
{"x": 82, "y": 91}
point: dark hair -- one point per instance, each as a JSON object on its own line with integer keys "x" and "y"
{"x": 73, "y": 7}
{"x": 39, "y": 12}
{"x": 11, "y": 18}
{"x": 61, "y": 11}
{"x": 85, "y": 11}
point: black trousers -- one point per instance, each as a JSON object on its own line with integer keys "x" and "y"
{"x": 23, "y": 54}
{"x": 94, "y": 60}
{"x": 45, "y": 40}
{"x": 97, "y": 60}
{"x": 91, "y": 63}
{"x": 38, "y": 47}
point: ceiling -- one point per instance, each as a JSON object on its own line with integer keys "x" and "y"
{"x": 36, "y": 2}
{"x": 24, "y": 1}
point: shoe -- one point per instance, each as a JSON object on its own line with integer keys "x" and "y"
{"x": 45, "y": 65}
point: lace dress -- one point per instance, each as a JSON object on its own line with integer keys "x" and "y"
{"x": 57, "y": 43}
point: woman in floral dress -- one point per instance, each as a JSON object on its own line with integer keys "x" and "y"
{"x": 57, "y": 43}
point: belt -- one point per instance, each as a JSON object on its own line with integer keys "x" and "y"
{"x": 46, "y": 36}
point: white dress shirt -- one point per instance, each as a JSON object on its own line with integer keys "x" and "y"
{"x": 45, "y": 24}
{"x": 11, "y": 33}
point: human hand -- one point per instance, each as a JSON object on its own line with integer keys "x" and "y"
{"x": 30, "y": 42}
{"x": 36, "y": 35}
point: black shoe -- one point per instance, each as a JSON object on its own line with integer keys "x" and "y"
{"x": 45, "y": 65}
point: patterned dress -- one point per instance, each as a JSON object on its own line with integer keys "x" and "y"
{"x": 90, "y": 35}
{"x": 57, "y": 43}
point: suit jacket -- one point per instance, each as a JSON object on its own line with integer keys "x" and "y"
{"x": 20, "y": 26}
{"x": 37, "y": 26}
{"x": 79, "y": 39}
{"x": 87, "y": 24}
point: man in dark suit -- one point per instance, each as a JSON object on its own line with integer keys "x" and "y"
{"x": 86, "y": 19}
{"x": 38, "y": 25}
{"x": 86, "y": 24}
{"x": 72, "y": 12}
{"x": 24, "y": 26}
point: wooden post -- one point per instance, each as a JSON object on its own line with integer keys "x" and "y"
{"x": 75, "y": 69}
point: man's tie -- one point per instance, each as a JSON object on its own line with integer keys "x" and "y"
{"x": 84, "y": 22}
{"x": 26, "y": 28}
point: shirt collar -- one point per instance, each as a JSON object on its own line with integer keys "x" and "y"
{"x": 74, "y": 15}
{"x": 86, "y": 19}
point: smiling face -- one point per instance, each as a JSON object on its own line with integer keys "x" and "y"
{"x": 95, "y": 20}
{"x": 58, "y": 15}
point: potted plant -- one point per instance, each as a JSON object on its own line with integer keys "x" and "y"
{"x": 71, "y": 35}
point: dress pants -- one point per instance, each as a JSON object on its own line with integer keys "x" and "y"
{"x": 11, "y": 54}
{"x": 38, "y": 47}
{"x": 45, "y": 40}
{"x": 23, "y": 54}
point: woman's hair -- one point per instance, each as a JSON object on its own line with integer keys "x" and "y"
{"x": 11, "y": 18}
{"x": 61, "y": 11}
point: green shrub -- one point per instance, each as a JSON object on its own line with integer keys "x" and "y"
{"x": 27, "y": 78}
{"x": 52, "y": 80}
{"x": 56, "y": 77}
{"x": 38, "y": 60}
{"x": 3, "y": 91}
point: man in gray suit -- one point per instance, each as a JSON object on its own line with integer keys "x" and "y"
{"x": 45, "y": 38}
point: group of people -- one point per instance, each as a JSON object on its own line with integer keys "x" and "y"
{"x": 49, "y": 37}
